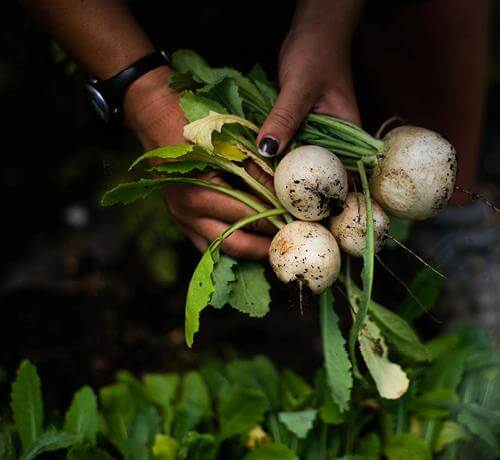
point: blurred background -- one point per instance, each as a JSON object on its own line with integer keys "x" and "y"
{"x": 85, "y": 290}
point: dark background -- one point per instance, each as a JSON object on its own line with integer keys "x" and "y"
{"x": 85, "y": 291}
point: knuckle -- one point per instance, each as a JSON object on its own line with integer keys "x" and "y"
{"x": 285, "y": 119}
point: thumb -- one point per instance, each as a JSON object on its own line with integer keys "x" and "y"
{"x": 292, "y": 105}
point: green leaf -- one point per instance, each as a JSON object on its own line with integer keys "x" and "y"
{"x": 196, "y": 107}
{"x": 398, "y": 333}
{"x": 165, "y": 448}
{"x": 228, "y": 94}
{"x": 167, "y": 152}
{"x": 478, "y": 426}
{"x": 118, "y": 407}
{"x": 27, "y": 404}
{"x": 258, "y": 373}
{"x": 195, "y": 446}
{"x": 49, "y": 442}
{"x": 185, "y": 60}
{"x": 407, "y": 446}
{"x": 337, "y": 364}
{"x": 299, "y": 423}
{"x": 7, "y": 449}
{"x": 181, "y": 167}
{"x": 442, "y": 346}
{"x": 426, "y": 287}
{"x": 144, "y": 427}
{"x": 250, "y": 291}
{"x": 271, "y": 451}
{"x": 222, "y": 276}
{"x": 128, "y": 193}
{"x": 195, "y": 391}
{"x": 434, "y": 403}
{"x": 161, "y": 388}
{"x": 449, "y": 433}
{"x": 239, "y": 410}
{"x": 88, "y": 453}
{"x": 199, "y": 293}
{"x": 82, "y": 417}
{"x": 445, "y": 372}
{"x": 370, "y": 446}
{"x": 296, "y": 392}
{"x": 187, "y": 417}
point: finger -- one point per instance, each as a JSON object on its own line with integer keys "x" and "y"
{"x": 294, "y": 102}
{"x": 198, "y": 241}
{"x": 240, "y": 244}
{"x": 259, "y": 174}
{"x": 191, "y": 201}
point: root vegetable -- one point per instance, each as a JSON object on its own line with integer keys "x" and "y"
{"x": 415, "y": 175}
{"x": 349, "y": 227}
{"x": 305, "y": 252}
{"x": 311, "y": 183}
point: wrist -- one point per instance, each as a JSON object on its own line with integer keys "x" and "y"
{"x": 149, "y": 104}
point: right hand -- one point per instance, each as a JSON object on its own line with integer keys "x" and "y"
{"x": 152, "y": 111}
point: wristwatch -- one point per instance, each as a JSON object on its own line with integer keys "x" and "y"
{"x": 107, "y": 95}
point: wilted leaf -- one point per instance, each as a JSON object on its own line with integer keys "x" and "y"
{"x": 299, "y": 423}
{"x": 390, "y": 379}
{"x": 167, "y": 152}
{"x": 228, "y": 150}
{"x": 200, "y": 131}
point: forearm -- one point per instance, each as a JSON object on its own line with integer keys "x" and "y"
{"x": 104, "y": 38}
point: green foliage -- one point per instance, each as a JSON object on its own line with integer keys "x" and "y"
{"x": 247, "y": 409}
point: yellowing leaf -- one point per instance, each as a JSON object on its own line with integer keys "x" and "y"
{"x": 229, "y": 151}
{"x": 200, "y": 131}
{"x": 390, "y": 379}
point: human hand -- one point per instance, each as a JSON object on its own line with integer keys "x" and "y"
{"x": 314, "y": 71}
{"x": 152, "y": 111}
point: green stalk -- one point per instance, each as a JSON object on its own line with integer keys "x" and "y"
{"x": 229, "y": 166}
{"x": 350, "y": 129}
{"x": 251, "y": 203}
{"x": 243, "y": 223}
{"x": 367, "y": 273}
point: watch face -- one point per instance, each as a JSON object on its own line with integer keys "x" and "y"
{"x": 100, "y": 105}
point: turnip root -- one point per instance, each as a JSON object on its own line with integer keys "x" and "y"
{"x": 311, "y": 183}
{"x": 415, "y": 174}
{"x": 305, "y": 252}
{"x": 349, "y": 227}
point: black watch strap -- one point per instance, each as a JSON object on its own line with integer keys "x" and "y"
{"x": 113, "y": 89}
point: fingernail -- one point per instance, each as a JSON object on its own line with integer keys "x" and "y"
{"x": 268, "y": 147}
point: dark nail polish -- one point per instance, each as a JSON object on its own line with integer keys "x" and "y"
{"x": 268, "y": 147}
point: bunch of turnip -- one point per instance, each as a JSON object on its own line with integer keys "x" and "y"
{"x": 412, "y": 175}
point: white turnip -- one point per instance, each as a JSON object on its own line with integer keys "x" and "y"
{"x": 349, "y": 227}
{"x": 305, "y": 252}
{"x": 311, "y": 183}
{"x": 415, "y": 173}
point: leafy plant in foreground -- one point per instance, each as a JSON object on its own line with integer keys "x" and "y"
{"x": 249, "y": 410}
